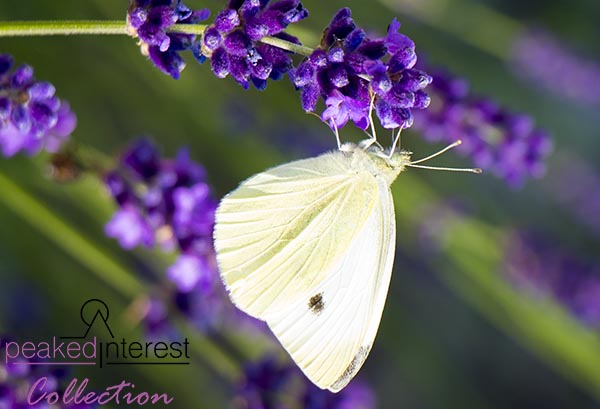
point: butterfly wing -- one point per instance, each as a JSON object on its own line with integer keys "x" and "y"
{"x": 330, "y": 331}
{"x": 280, "y": 232}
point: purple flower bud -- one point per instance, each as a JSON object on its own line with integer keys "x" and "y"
{"x": 149, "y": 21}
{"x": 212, "y": 38}
{"x": 237, "y": 43}
{"x": 220, "y": 63}
{"x": 142, "y": 159}
{"x": 227, "y": 20}
{"x": 6, "y": 63}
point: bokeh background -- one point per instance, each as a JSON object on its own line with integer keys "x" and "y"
{"x": 458, "y": 330}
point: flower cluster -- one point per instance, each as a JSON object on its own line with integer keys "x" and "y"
{"x": 270, "y": 384}
{"x": 16, "y": 379}
{"x": 505, "y": 143}
{"x": 32, "y": 118}
{"x": 350, "y": 71}
{"x": 166, "y": 202}
{"x": 149, "y": 20}
{"x": 232, "y": 42}
{"x": 542, "y": 60}
{"x": 539, "y": 266}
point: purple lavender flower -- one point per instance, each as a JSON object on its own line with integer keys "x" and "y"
{"x": 270, "y": 383}
{"x": 263, "y": 383}
{"x": 544, "y": 269}
{"x": 149, "y": 20}
{"x": 191, "y": 272}
{"x": 505, "y": 143}
{"x": 32, "y": 118}
{"x": 232, "y": 42}
{"x": 165, "y": 202}
{"x": 130, "y": 228}
{"x": 348, "y": 70}
{"x": 541, "y": 59}
{"x": 356, "y": 395}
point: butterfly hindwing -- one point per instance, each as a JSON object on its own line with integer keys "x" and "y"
{"x": 330, "y": 331}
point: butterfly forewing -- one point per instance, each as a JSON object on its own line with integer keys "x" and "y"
{"x": 281, "y": 231}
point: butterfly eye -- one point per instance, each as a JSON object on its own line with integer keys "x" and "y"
{"x": 316, "y": 303}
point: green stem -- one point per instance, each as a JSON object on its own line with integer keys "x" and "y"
{"x": 103, "y": 266}
{"x": 52, "y": 28}
{"x": 115, "y": 27}
{"x": 67, "y": 237}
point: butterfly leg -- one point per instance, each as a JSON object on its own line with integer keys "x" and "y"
{"x": 396, "y": 142}
{"x": 372, "y": 135}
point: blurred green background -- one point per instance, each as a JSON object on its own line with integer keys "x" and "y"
{"x": 454, "y": 333}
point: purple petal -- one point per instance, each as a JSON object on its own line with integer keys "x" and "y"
{"x": 12, "y": 139}
{"x": 189, "y": 272}
{"x": 22, "y": 76}
{"x": 130, "y": 229}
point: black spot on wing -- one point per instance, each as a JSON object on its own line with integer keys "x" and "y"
{"x": 316, "y": 303}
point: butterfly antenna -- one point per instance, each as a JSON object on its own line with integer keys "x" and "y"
{"x": 415, "y": 164}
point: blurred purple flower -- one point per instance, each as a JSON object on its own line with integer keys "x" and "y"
{"x": 130, "y": 228}
{"x": 357, "y": 395}
{"x": 166, "y": 202}
{"x": 32, "y": 118}
{"x": 191, "y": 272}
{"x": 541, "y": 59}
{"x": 348, "y": 69}
{"x": 546, "y": 270}
{"x": 149, "y": 20}
{"x": 232, "y": 41}
{"x": 263, "y": 383}
{"x": 505, "y": 143}
{"x": 270, "y": 383}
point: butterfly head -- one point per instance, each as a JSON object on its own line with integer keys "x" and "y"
{"x": 380, "y": 162}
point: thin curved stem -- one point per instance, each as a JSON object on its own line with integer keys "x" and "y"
{"x": 115, "y": 27}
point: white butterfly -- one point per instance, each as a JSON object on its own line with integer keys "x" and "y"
{"x": 308, "y": 247}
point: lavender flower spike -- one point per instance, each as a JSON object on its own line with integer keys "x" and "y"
{"x": 349, "y": 71}
{"x": 149, "y": 20}
{"x": 232, "y": 42}
{"x": 167, "y": 202}
{"x": 32, "y": 118}
{"x": 541, "y": 59}
{"x": 496, "y": 140}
